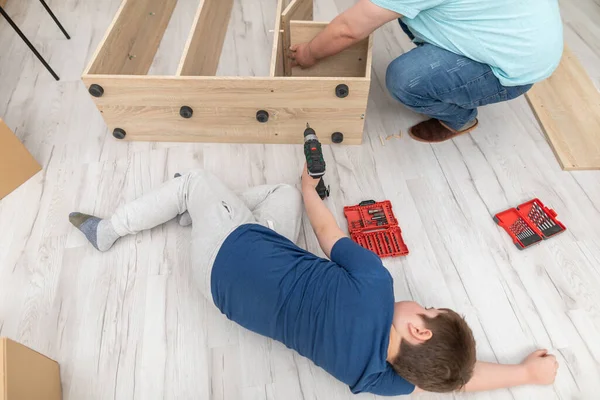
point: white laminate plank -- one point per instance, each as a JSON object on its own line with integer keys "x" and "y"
{"x": 131, "y": 324}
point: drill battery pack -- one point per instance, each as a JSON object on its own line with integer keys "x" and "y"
{"x": 529, "y": 223}
{"x": 373, "y": 226}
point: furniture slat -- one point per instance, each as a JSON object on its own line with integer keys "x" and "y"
{"x": 132, "y": 39}
{"x": 205, "y": 43}
{"x": 567, "y": 106}
{"x": 278, "y": 53}
{"x": 224, "y": 109}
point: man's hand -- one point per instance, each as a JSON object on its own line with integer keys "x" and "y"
{"x": 347, "y": 29}
{"x": 541, "y": 367}
{"x": 308, "y": 182}
{"x": 301, "y": 56}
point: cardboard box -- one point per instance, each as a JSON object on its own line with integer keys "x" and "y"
{"x": 26, "y": 374}
{"x": 16, "y": 164}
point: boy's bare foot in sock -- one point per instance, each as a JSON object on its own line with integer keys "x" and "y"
{"x": 99, "y": 232}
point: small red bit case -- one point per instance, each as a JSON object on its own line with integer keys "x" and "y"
{"x": 373, "y": 226}
{"x": 529, "y": 223}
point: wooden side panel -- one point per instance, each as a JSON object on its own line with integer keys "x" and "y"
{"x": 205, "y": 42}
{"x": 278, "y": 53}
{"x": 297, "y": 10}
{"x": 369, "y": 65}
{"x": 224, "y": 109}
{"x": 29, "y": 374}
{"x": 567, "y": 106}
{"x": 133, "y": 38}
{"x": 16, "y": 164}
{"x": 351, "y": 62}
{"x": 2, "y": 367}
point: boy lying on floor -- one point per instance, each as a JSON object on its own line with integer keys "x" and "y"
{"x": 340, "y": 314}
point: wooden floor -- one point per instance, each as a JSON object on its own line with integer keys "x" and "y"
{"x": 129, "y": 324}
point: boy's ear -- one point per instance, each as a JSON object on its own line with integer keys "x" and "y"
{"x": 419, "y": 334}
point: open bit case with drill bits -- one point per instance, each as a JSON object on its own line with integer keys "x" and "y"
{"x": 529, "y": 223}
{"x": 374, "y": 226}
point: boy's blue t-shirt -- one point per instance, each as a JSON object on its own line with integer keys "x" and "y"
{"x": 337, "y": 313}
{"x": 521, "y": 40}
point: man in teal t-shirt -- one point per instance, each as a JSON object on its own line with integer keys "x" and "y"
{"x": 469, "y": 53}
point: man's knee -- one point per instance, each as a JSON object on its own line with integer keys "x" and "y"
{"x": 406, "y": 81}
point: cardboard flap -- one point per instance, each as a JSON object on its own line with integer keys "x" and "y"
{"x": 16, "y": 164}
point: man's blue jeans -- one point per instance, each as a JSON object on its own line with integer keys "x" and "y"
{"x": 440, "y": 84}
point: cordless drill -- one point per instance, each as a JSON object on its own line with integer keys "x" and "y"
{"x": 314, "y": 160}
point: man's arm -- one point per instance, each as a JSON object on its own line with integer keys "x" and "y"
{"x": 347, "y": 29}
{"x": 321, "y": 219}
{"x": 539, "y": 368}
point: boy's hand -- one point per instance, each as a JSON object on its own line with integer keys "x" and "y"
{"x": 308, "y": 182}
{"x": 302, "y": 56}
{"x": 541, "y": 367}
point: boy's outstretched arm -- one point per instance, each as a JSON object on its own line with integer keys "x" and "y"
{"x": 323, "y": 223}
{"x": 539, "y": 368}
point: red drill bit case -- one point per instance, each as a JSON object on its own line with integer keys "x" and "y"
{"x": 383, "y": 235}
{"x": 529, "y": 223}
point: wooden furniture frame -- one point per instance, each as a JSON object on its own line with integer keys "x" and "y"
{"x": 196, "y": 106}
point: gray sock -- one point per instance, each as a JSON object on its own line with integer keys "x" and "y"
{"x": 183, "y": 219}
{"x": 99, "y": 232}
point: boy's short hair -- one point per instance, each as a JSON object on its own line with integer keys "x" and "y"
{"x": 446, "y": 361}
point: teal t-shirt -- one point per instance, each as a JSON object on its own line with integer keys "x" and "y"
{"x": 521, "y": 40}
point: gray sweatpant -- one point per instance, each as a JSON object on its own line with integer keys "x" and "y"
{"x": 215, "y": 212}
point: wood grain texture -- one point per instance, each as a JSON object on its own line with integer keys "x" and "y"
{"x": 147, "y": 108}
{"x": 203, "y": 49}
{"x": 16, "y": 164}
{"x": 120, "y": 320}
{"x": 567, "y": 106}
{"x": 297, "y": 10}
{"x": 352, "y": 62}
{"x": 132, "y": 39}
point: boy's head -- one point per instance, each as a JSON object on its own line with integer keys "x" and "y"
{"x": 437, "y": 348}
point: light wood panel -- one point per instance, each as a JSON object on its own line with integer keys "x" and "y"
{"x": 297, "y": 10}
{"x": 257, "y": 92}
{"x": 16, "y": 164}
{"x": 278, "y": 53}
{"x": 567, "y": 106}
{"x": 27, "y": 374}
{"x": 351, "y": 62}
{"x": 133, "y": 38}
{"x": 234, "y": 125}
{"x": 205, "y": 43}
{"x": 147, "y": 108}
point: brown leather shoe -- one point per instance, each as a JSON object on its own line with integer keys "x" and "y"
{"x": 434, "y": 131}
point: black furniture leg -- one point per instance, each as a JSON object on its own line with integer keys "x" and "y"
{"x": 55, "y": 19}
{"x": 16, "y": 28}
